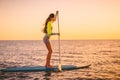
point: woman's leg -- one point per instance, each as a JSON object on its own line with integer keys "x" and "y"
{"x": 48, "y": 58}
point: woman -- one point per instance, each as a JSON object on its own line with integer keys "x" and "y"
{"x": 48, "y": 33}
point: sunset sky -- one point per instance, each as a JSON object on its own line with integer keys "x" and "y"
{"x": 79, "y": 19}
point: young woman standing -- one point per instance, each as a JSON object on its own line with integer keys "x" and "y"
{"x": 48, "y": 33}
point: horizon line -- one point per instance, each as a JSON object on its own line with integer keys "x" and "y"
{"x": 55, "y": 39}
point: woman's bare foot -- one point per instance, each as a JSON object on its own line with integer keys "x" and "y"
{"x": 49, "y": 66}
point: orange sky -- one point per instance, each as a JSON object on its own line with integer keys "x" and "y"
{"x": 79, "y": 19}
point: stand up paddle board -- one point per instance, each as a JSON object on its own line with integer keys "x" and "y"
{"x": 42, "y": 68}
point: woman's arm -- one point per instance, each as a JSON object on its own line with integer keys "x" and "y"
{"x": 56, "y": 15}
{"x": 55, "y": 18}
{"x": 55, "y": 33}
{"x": 49, "y": 30}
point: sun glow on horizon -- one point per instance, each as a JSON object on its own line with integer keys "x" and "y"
{"x": 79, "y": 19}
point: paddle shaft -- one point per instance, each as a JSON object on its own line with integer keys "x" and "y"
{"x": 59, "y": 39}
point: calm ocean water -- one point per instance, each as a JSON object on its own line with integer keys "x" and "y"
{"x": 103, "y": 55}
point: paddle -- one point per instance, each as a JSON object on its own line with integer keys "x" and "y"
{"x": 59, "y": 65}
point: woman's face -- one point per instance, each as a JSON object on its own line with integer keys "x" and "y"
{"x": 53, "y": 19}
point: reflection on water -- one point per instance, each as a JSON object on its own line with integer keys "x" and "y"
{"x": 104, "y": 55}
{"x": 47, "y": 74}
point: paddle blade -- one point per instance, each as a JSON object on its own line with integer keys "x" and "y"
{"x": 60, "y": 67}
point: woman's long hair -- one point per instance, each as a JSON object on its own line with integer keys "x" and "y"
{"x": 47, "y": 20}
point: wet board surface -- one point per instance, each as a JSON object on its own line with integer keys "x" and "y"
{"x": 42, "y": 68}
